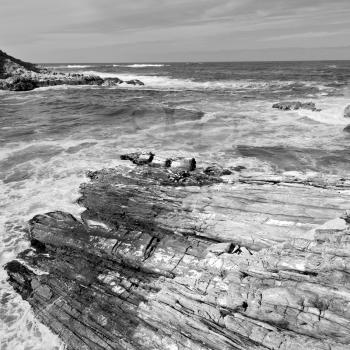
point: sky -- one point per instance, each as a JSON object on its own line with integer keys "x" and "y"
{"x": 44, "y": 31}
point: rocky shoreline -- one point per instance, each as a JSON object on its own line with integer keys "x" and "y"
{"x": 171, "y": 253}
{"x": 16, "y": 75}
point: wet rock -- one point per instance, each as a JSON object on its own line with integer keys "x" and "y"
{"x": 217, "y": 170}
{"x": 134, "y": 82}
{"x": 208, "y": 265}
{"x": 310, "y": 106}
{"x": 287, "y": 106}
{"x": 347, "y": 112}
{"x": 112, "y": 82}
{"x": 138, "y": 158}
{"x": 27, "y": 82}
{"x": 239, "y": 168}
{"x": 19, "y": 84}
{"x": 347, "y": 128}
{"x": 16, "y": 75}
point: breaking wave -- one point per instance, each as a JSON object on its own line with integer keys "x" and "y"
{"x": 168, "y": 83}
{"x": 77, "y": 66}
{"x": 137, "y": 65}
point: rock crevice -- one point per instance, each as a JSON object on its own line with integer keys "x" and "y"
{"x": 170, "y": 255}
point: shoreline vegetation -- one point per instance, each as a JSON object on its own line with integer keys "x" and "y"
{"x": 185, "y": 254}
{"x": 16, "y": 75}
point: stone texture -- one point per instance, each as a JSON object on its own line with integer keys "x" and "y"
{"x": 174, "y": 257}
{"x": 16, "y": 75}
{"x": 134, "y": 82}
{"x": 347, "y": 128}
{"x": 10, "y": 66}
{"x": 294, "y": 105}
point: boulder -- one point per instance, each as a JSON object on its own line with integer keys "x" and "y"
{"x": 347, "y": 128}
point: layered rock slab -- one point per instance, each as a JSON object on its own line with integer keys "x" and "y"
{"x": 168, "y": 255}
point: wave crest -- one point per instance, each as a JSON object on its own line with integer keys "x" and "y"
{"x": 76, "y": 66}
{"x": 161, "y": 82}
{"x": 139, "y": 65}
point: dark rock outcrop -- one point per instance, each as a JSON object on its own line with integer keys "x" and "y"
{"x": 10, "y": 66}
{"x": 287, "y": 106}
{"x": 112, "y": 82}
{"x": 134, "y": 82}
{"x": 347, "y": 112}
{"x": 18, "y": 83}
{"x": 30, "y": 82}
{"x": 347, "y": 128}
{"x": 16, "y": 75}
{"x": 168, "y": 256}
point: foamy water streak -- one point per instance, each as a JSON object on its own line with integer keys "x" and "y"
{"x": 35, "y": 178}
{"x": 139, "y": 65}
{"x": 168, "y": 83}
{"x": 70, "y": 66}
{"x": 77, "y": 66}
{"x": 332, "y": 111}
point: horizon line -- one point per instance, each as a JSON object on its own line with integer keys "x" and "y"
{"x": 201, "y": 61}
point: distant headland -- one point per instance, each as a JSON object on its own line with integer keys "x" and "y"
{"x": 17, "y": 75}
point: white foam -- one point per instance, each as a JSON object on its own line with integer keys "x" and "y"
{"x": 52, "y": 184}
{"x": 69, "y": 66}
{"x": 139, "y": 65}
{"x": 332, "y": 111}
{"x": 168, "y": 83}
{"x": 76, "y": 66}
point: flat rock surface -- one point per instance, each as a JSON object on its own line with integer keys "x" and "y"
{"x": 172, "y": 255}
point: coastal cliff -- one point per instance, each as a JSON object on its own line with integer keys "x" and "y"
{"x": 174, "y": 254}
{"x": 10, "y": 66}
{"x": 16, "y": 75}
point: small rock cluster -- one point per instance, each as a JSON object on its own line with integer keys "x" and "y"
{"x": 289, "y": 106}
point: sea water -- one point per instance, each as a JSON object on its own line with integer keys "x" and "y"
{"x": 50, "y": 137}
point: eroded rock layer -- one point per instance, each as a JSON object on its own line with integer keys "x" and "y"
{"x": 168, "y": 255}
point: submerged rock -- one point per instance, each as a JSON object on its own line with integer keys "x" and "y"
{"x": 287, "y": 106}
{"x": 112, "y": 82}
{"x": 347, "y": 112}
{"x": 134, "y": 82}
{"x": 207, "y": 263}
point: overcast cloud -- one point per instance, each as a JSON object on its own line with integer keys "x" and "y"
{"x": 174, "y": 30}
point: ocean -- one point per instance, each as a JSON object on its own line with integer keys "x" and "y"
{"x": 216, "y": 112}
